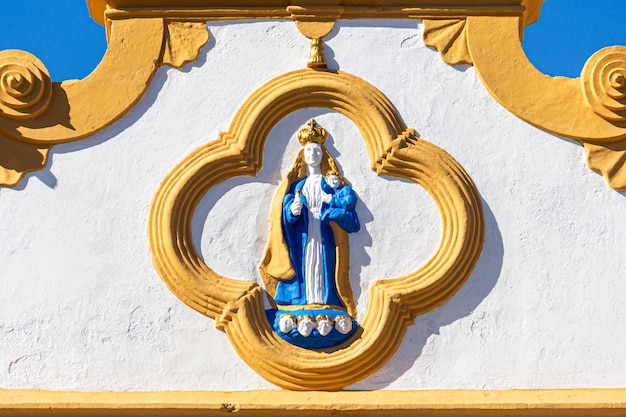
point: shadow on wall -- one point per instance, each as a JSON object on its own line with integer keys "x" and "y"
{"x": 462, "y": 304}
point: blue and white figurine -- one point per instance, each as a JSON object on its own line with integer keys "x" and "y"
{"x": 312, "y": 302}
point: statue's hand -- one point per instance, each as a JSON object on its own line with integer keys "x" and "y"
{"x": 327, "y": 198}
{"x": 296, "y": 205}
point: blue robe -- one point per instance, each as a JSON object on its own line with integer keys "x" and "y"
{"x": 295, "y": 232}
{"x": 341, "y": 207}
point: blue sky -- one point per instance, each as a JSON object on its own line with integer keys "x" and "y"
{"x": 62, "y": 34}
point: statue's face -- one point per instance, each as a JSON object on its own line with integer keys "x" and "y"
{"x": 312, "y": 154}
{"x": 333, "y": 181}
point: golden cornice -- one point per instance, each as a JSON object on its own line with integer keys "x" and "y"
{"x": 425, "y": 403}
{"x": 212, "y": 10}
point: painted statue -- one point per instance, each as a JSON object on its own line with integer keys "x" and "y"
{"x": 305, "y": 267}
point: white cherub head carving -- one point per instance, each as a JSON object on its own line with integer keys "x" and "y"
{"x": 305, "y": 325}
{"x": 324, "y": 324}
{"x": 343, "y": 324}
{"x": 286, "y": 323}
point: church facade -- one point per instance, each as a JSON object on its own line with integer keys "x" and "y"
{"x": 313, "y": 208}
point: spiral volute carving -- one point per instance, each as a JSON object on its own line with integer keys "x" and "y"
{"x": 25, "y": 85}
{"x": 604, "y": 83}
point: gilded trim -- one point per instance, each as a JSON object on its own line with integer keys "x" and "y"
{"x": 238, "y": 306}
{"x": 453, "y": 403}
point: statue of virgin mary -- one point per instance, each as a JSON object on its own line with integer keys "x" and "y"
{"x": 305, "y": 267}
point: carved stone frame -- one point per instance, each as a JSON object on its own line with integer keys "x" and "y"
{"x": 238, "y": 306}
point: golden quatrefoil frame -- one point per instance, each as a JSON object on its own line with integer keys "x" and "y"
{"x": 238, "y": 306}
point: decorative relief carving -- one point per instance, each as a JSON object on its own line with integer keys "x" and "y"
{"x": 25, "y": 93}
{"x": 183, "y": 41}
{"x": 305, "y": 266}
{"x": 608, "y": 159}
{"x": 25, "y": 86}
{"x": 315, "y": 22}
{"x": 589, "y": 110}
{"x": 548, "y": 103}
{"x": 449, "y": 37}
{"x": 592, "y": 110}
{"x": 238, "y": 306}
{"x": 484, "y": 35}
{"x": 36, "y": 113}
{"x": 604, "y": 82}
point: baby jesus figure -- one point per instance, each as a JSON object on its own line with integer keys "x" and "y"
{"x": 339, "y": 203}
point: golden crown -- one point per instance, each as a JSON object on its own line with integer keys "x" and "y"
{"x": 312, "y": 134}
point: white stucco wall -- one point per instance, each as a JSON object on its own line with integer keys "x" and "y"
{"x": 82, "y": 308}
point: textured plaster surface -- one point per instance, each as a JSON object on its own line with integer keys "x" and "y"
{"x": 82, "y": 308}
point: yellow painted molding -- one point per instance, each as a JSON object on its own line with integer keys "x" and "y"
{"x": 453, "y": 403}
{"x": 309, "y": 10}
{"x": 608, "y": 159}
{"x": 36, "y": 113}
{"x": 147, "y": 33}
{"x": 555, "y": 104}
{"x": 238, "y": 306}
{"x": 315, "y": 23}
{"x": 449, "y": 37}
{"x": 591, "y": 109}
{"x": 25, "y": 86}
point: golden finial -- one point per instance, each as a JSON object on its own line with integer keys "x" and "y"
{"x": 316, "y": 54}
{"x": 312, "y": 134}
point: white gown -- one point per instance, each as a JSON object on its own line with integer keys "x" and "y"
{"x": 313, "y": 259}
